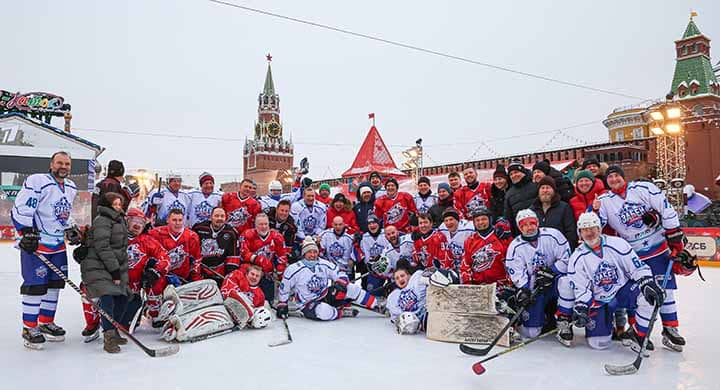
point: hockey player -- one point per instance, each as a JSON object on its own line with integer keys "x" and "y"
{"x": 271, "y": 200}
{"x": 424, "y": 198}
{"x": 396, "y": 208}
{"x": 41, "y": 216}
{"x": 309, "y": 214}
{"x": 373, "y": 243}
{"x": 281, "y": 221}
{"x": 219, "y": 246}
{"x": 336, "y": 245}
{"x": 341, "y": 206}
{"x": 203, "y": 201}
{"x": 266, "y": 248}
{"x": 382, "y": 267}
{"x": 162, "y": 200}
{"x": 430, "y": 246}
{"x": 639, "y": 213}
{"x": 308, "y": 281}
{"x": 240, "y": 207}
{"x": 456, "y": 231}
{"x": 247, "y": 283}
{"x": 472, "y": 195}
{"x": 537, "y": 263}
{"x": 483, "y": 253}
{"x": 607, "y": 274}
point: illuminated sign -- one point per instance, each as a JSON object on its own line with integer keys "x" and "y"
{"x": 33, "y": 102}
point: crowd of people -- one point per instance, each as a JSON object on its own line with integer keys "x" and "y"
{"x": 595, "y": 252}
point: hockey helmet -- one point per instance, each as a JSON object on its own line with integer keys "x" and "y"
{"x": 261, "y": 318}
{"x": 274, "y": 186}
{"x": 407, "y": 323}
{"x": 588, "y": 220}
{"x": 522, "y": 215}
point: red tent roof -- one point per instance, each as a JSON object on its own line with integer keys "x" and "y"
{"x": 373, "y": 156}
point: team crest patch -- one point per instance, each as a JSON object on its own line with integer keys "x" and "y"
{"x": 316, "y": 284}
{"x": 408, "y": 300}
{"x": 177, "y": 205}
{"x": 606, "y": 276}
{"x": 421, "y": 256}
{"x": 203, "y": 210}
{"x": 483, "y": 258}
{"x": 475, "y": 203}
{"x": 309, "y": 224}
{"x": 630, "y": 214}
{"x": 62, "y": 209}
{"x": 266, "y": 251}
{"x": 238, "y": 217}
{"x": 376, "y": 250}
{"x": 395, "y": 214}
{"x": 41, "y": 271}
{"x": 539, "y": 260}
{"x": 177, "y": 257}
{"x": 134, "y": 255}
{"x": 456, "y": 250}
{"x": 336, "y": 251}
{"x": 210, "y": 247}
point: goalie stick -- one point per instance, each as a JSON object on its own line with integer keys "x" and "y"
{"x": 288, "y": 337}
{"x": 138, "y": 313}
{"x": 634, "y": 367}
{"x": 157, "y": 352}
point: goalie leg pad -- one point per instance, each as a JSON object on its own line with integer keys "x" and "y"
{"x": 240, "y": 309}
{"x": 189, "y": 297}
{"x": 197, "y": 324}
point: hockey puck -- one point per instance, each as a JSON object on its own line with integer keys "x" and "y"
{"x": 478, "y": 368}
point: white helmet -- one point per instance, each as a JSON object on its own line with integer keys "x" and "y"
{"x": 588, "y": 220}
{"x": 407, "y": 323}
{"x": 524, "y": 214}
{"x": 261, "y": 318}
{"x": 274, "y": 185}
{"x": 173, "y": 176}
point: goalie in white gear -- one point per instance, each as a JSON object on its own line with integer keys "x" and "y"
{"x": 270, "y": 201}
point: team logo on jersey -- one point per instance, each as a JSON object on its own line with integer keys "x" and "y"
{"x": 630, "y": 214}
{"x": 408, "y": 300}
{"x": 309, "y": 224}
{"x": 203, "y": 211}
{"x": 475, "y": 203}
{"x": 538, "y": 261}
{"x": 238, "y": 217}
{"x": 456, "y": 249}
{"x": 421, "y": 256}
{"x": 177, "y": 256}
{"x": 395, "y": 214}
{"x": 134, "y": 255}
{"x": 210, "y": 247}
{"x": 606, "y": 276}
{"x": 265, "y": 250}
{"x": 316, "y": 284}
{"x": 375, "y": 250}
{"x": 483, "y": 258}
{"x": 62, "y": 209}
{"x": 41, "y": 271}
{"x": 336, "y": 251}
{"x": 177, "y": 205}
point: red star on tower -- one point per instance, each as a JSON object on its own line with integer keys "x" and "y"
{"x": 269, "y": 57}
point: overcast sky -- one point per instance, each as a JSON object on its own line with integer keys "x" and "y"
{"x": 193, "y": 67}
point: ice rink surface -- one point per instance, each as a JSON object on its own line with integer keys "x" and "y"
{"x": 355, "y": 353}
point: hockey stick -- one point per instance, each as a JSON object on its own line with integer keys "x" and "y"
{"x": 478, "y": 368}
{"x": 212, "y": 271}
{"x": 288, "y": 338}
{"x": 466, "y": 349}
{"x": 634, "y": 367}
{"x": 138, "y": 314}
{"x": 159, "y": 352}
{"x": 361, "y": 277}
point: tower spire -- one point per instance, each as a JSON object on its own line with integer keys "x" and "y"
{"x": 269, "y": 88}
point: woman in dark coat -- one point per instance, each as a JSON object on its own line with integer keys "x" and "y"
{"x": 105, "y": 269}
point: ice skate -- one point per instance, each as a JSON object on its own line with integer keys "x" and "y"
{"x": 52, "y": 332}
{"x": 91, "y": 334}
{"x": 32, "y": 338}
{"x": 672, "y": 339}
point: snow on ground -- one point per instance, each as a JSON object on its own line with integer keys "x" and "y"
{"x": 359, "y": 353}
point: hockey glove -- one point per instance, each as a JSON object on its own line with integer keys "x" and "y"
{"x": 73, "y": 235}
{"x": 357, "y": 237}
{"x": 652, "y": 292}
{"x": 149, "y": 277}
{"x": 30, "y": 239}
{"x": 544, "y": 279}
{"x": 281, "y": 310}
{"x": 674, "y": 239}
{"x": 157, "y": 198}
{"x": 685, "y": 263}
{"x": 523, "y": 298}
{"x": 503, "y": 230}
{"x": 340, "y": 285}
{"x": 651, "y": 218}
{"x": 580, "y": 315}
{"x": 80, "y": 253}
{"x": 131, "y": 190}
{"x": 264, "y": 263}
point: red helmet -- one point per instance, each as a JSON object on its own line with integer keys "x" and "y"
{"x": 135, "y": 212}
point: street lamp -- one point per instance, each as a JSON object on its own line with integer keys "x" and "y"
{"x": 665, "y": 124}
{"x": 414, "y": 160}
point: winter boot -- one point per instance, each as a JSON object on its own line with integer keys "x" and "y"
{"x": 119, "y": 339}
{"x": 91, "y": 334}
{"x": 672, "y": 339}
{"x": 565, "y": 333}
{"x": 110, "y": 342}
{"x": 634, "y": 341}
{"x": 52, "y": 332}
{"x": 32, "y": 338}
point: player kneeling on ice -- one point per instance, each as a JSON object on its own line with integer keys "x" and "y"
{"x": 537, "y": 263}
{"x": 608, "y": 275}
{"x": 308, "y": 281}
{"x": 246, "y": 281}
{"x": 406, "y": 303}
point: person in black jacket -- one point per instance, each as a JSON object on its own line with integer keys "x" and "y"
{"x": 445, "y": 200}
{"x": 501, "y": 182}
{"x": 594, "y": 166}
{"x": 520, "y": 195}
{"x": 564, "y": 186}
{"x": 113, "y": 183}
{"x": 365, "y": 205}
{"x": 554, "y": 212}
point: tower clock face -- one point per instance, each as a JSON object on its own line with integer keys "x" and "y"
{"x": 273, "y": 129}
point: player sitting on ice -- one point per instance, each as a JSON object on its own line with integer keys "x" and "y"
{"x": 246, "y": 281}
{"x": 609, "y": 275}
{"x": 406, "y": 303}
{"x": 308, "y": 281}
{"x": 430, "y": 248}
{"x": 537, "y": 263}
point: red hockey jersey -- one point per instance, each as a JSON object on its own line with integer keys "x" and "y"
{"x": 433, "y": 247}
{"x": 240, "y": 212}
{"x": 271, "y": 252}
{"x": 396, "y": 211}
{"x": 141, "y": 249}
{"x": 236, "y": 283}
{"x": 351, "y": 226}
{"x": 483, "y": 260}
{"x": 466, "y": 199}
{"x": 183, "y": 251}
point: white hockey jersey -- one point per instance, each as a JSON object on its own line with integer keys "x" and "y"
{"x": 423, "y": 205}
{"x": 308, "y": 281}
{"x": 201, "y": 206}
{"x": 456, "y": 240}
{"x": 373, "y": 246}
{"x": 46, "y": 205}
{"x": 338, "y": 249}
{"x": 624, "y": 215}
{"x": 599, "y": 278}
{"x": 404, "y": 250}
{"x": 411, "y": 298}
{"x": 267, "y": 202}
{"x": 524, "y": 259}
{"x": 310, "y": 219}
{"x": 169, "y": 201}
